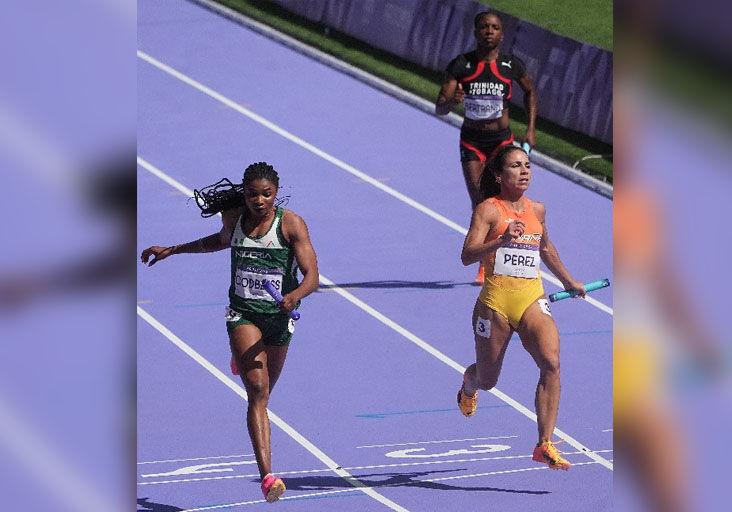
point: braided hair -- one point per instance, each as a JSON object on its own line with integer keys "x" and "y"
{"x": 225, "y": 195}
{"x": 489, "y": 187}
{"x": 261, "y": 171}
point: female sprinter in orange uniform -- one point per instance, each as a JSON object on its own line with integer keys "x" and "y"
{"x": 266, "y": 242}
{"x": 483, "y": 81}
{"x": 508, "y": 235}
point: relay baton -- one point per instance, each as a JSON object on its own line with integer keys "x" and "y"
{"x": 277, "y": 296}
{"x": 526, "y": 147}
{"x": 594, "y": 285}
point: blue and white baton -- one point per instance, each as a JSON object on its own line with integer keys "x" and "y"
{"x": 277, "y": 296}
{"x": 594, "y": 285}
{"x": 526, "y": 147}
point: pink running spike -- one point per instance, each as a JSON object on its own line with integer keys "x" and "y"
{"x": 272, "y": 487}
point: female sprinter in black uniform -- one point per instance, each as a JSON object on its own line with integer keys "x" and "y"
{"x": 483, "y": 81}
{"x": 266, "y": 242}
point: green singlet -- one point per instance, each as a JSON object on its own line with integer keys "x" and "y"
{"x": 255, "y": 259}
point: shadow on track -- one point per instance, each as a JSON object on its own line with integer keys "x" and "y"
{"x": 376, "y": 480}
{"x": 148, "y": 506}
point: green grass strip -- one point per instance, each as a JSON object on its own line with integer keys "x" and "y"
{"x": 587, "y": 21}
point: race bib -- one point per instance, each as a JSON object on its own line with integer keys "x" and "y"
{"x": 483, "y": 327}
{"x": 545, "y": 308}
{"x": 232, "y": 315}
{"x": 483, "y": 108}
{"x": 248, "y": 282}
{"x": 516, "y": 262}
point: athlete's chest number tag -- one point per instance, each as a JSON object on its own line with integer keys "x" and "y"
{"x": 249, "y": 283}
{"x": 516, "y": 262}
{"x": 483, "y": 108}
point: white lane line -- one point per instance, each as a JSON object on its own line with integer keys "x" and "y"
{"x": 409, "y": 335}
{"x": 502, "y": 472}
{"x": 357, "y": 468}
{"x": 294, "y": 434}
{"x": 213, "y": 457}
{"x": 435, "y": 442}
{"x": 300, "y": 142}
{"x": 198, "y": 469}
{"x": 400, "y": 484}
{"x": 335, "y": 161}
{"x": 256, "y": 502}
{"x": 455, "y": 365}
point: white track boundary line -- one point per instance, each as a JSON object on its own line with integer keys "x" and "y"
{"x": 501, "y": 472}
{"x": 405, "y": 484}
{"x": 408, "y": 335}
{"x": 353, "y": 468}
{"x": 290, "y": 431}
{"x": 212, "y": 457}
{"x": 335, "y": 161}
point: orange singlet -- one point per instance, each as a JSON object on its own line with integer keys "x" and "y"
{"x": 513, "y": 279}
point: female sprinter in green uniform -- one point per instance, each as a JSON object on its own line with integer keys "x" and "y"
{"x": 266, "y": 242}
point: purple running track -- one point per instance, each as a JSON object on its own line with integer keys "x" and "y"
{"x": 376, "y": 394}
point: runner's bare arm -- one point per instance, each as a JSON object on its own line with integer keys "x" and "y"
{"x": 211, "y": 243}
{"x": 550, "y": 255}
{"x": 485, "y": 216}
{"x": 451, "y": 94}
{"x": 296, "y": 233}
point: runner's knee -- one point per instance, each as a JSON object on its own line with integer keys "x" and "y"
{"x": 549, "y": 363}
{"x": 257, "y": 389}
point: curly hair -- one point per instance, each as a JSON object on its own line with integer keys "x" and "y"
{"x": 225, "y": 195}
